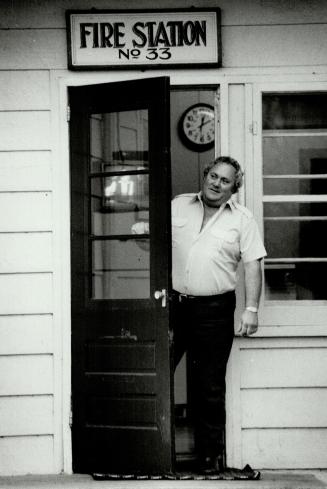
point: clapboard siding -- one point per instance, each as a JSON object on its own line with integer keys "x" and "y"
{"x": 26, "y": 334}
{"x": 26, "y": 375}
{"x": 51, "y": 14}
{"x": 26, "y": 307}
{"x": 26, "y": 293}
{"x": 285, "y": 448}
{"x": 25, "y": 211}
{"x": 259, "y": 34}
{"x": 292, "y": 45}
{"x": 282, "y": 367}
{"x": 35, "y": 49}
{"x": 25, "y": 90}
{"x": 25, "y": 170}
{"x": 292, "y": 315}
{"x": 284, "y": 408}
{"x": 26, "y": 252}
{"x": 26, "y": 454}
{"x": 243, "y": 46}
{"x": 283, "y": 398}
{"x": 26, "y": 415}
{"x": 24, "y": 130}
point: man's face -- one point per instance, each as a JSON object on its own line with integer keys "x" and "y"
{"x": 218, "y": 184}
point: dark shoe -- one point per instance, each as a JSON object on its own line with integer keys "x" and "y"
{"x": 247, "y": 473}
{"x": 211, "y": 465}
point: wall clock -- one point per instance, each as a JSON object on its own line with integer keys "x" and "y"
{"x": 197, "y": 127}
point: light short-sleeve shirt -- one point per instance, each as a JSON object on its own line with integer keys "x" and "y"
{"x": 205, "y": 261}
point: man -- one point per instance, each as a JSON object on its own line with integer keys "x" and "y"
{"x": 211, "y": 233}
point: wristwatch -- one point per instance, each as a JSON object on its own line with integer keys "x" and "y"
{"x": 252, "y": 309}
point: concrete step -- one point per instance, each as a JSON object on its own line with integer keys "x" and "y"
{"x": 269, "y": 480}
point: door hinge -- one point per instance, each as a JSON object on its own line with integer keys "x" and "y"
{"x": 71, "y": 414}
{"x": 68, "y": 113}
{"x": 253, "y": 128}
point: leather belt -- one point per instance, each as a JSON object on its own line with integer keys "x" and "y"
{"x": 184, "y": 297}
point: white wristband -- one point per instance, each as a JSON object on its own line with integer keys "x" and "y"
{"x": 251, "y": 308}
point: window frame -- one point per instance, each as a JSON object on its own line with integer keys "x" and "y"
{"x": 308, "y": 316}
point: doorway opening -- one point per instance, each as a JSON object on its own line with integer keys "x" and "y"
{"x": 187, "y": 164}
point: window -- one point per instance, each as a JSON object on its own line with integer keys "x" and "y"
{"x": 295, "y": 195}
{"x": 119, "y": 198}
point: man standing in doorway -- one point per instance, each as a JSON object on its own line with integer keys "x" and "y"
{"x": 211, "y": 233}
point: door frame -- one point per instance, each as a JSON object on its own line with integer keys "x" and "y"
{"x": 59, "y": 82}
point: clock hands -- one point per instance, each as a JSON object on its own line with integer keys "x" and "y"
{"x": 204, "y": 122}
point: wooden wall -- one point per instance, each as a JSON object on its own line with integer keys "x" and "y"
{"x": 26, "y": 267}
{"x": 277, "y": 381}
{"x": 257, "y": 35}
{"x": 281, "y": 402}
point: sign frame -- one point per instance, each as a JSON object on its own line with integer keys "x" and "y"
{"x": 153, "y": 62}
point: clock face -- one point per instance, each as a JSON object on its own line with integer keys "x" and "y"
{"x": 197, "y": 127}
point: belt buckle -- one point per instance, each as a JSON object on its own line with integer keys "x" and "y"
{"x": 181, "y": 297}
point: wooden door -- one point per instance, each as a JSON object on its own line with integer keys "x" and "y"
{"x": 120, "y": 258}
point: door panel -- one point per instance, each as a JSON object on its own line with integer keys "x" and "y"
{"x": 120, "y": 254}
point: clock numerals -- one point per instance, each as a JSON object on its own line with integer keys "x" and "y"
{"x": 197, "y": 127}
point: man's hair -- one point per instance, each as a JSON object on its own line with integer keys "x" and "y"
{"x": 229, "y": 161}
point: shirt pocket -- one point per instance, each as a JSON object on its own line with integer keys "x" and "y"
{"x": 225, "y": 240}
{"x": 178, "y": 229}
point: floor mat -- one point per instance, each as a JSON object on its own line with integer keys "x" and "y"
{"x": 247, "y": 473}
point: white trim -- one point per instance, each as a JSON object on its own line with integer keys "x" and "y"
{"x": 60, "y": 80}
{"x": 269, "y": 314}
{"x": 61, "y": 216}
{"x": 296, "y": 218}
{"x": 217, "y": 97}
{"x": 224, "y": 119}
{"x": 233, "y": 408}
{"x": 295, "y": 260}
{"x": 293, "y": 133}
{"x": 295, "y": 198}
{"x": 57, "y": 298}
{"x": 246, "y": 196}
{"x": 313, "y": 176}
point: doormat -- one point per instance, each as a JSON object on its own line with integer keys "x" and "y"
{"x": 229, "y": 474}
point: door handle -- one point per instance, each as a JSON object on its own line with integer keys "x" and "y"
{"x": 161, "y": 294}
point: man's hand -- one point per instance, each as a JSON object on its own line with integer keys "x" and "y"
{"x": 141, "y": 227}
{"x": 248, "y": 323}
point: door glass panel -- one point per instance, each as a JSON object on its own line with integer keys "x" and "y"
{"x": 297, "y": 154}
{"x": 119, "y": 205}
{"x": 295, "y": 195}
{"x": 121, "y": 269}
{"x": 298, "y": 186}
{"x": 119, "y": 141}
{"x": 295, "y": 281}
{"x": 118, "y": 202}
{"x": 294, "y": 111}
{"x": 293, "y": 238}
{"x": 284, "y": 210}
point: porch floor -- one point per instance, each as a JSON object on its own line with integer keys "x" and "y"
{"x": 269, "y": 480}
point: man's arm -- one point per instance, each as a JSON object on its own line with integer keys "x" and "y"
{"x": 253, "y": 283}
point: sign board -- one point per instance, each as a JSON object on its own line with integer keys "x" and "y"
{"x": 125, "y": 39}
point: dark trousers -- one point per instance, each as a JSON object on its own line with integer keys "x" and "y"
{"x": 204, "y": 327}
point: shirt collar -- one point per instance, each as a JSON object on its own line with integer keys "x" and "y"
{"x": 230, "y": 202}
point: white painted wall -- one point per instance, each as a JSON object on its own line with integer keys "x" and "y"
{"x": 259, "y": 38}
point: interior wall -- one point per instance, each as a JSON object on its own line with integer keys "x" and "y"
{"x": 186, "y": 165}
{"x": 186, "y": 168}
